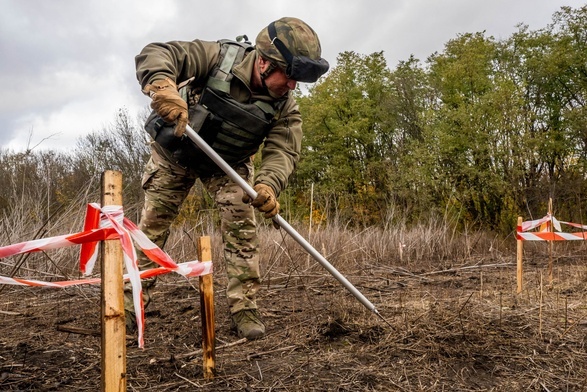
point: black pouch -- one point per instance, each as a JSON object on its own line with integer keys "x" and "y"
{"x": 162, "y": 132}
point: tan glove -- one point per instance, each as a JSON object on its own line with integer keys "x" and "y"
{"x": 167, "y": 102}
{"x": 265, "y": 201}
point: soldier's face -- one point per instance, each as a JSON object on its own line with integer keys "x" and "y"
{"x": 276, "y": 82}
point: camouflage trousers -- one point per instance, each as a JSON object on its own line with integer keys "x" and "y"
{"x": 166, "y": 185}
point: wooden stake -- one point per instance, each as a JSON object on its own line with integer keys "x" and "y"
{"x": 500, "y": 308}
{"x": 540, "y": 309}
{"x": 311, "y": 219}
{"x": 566, "y": 311}
{"x": 550, "y": 243}
{"x": 519, "y": 260}
{"x": 113, "y": 324}
{"x": 207, "y": 311}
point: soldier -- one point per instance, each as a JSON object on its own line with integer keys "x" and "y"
{"x": 237, "y": 97}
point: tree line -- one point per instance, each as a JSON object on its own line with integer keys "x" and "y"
{"x": 479, "y": 133}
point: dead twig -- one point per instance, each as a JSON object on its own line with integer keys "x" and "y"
{"x": 470, "y": 267}
{"x": 77, "y": 330}
{"x": 257, "y": 355}
{"x": 195, "y": 352}
{"x": 9, "y": 313}
{"x": 189, "y": 381}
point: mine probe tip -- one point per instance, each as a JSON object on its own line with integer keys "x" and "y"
{"x": 382, "y": 318}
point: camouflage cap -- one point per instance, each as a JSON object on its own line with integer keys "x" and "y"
{"x": 298, "y": 37}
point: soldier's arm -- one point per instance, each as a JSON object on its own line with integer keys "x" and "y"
{"x": 177, "y": 60}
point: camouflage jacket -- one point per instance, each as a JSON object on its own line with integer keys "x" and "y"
{"x": 182, "y": 60}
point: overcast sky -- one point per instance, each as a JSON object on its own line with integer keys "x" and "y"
{"x": 67, "y": 66}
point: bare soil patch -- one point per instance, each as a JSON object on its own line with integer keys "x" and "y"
{"x": 459, "y": 327}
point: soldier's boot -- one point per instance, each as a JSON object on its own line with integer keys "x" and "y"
{"x": 130, "y": 319}
{"x": 247, "y": 324}
{"x": 129, "y": 309}
{"x": 130, "y": 316}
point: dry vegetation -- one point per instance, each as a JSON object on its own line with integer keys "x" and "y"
{"x": 456, "y": 322}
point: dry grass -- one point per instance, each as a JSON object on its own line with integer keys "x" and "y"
{"x": 457, "y": 323}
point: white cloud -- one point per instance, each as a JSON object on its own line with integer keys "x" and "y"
{"x": 68, "y": 66}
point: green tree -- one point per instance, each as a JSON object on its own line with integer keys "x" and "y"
{"x": 407, "y": 162}
{"x": 464, "y": 130}
{"x": 344, "y": 140}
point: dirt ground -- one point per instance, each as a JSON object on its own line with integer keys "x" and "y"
{"x": 458, "y": 327}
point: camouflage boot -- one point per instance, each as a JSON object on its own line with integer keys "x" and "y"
{"x": 247, "y": 324}
{"x": 129, "y": 308}
{"x": 130, "y": 319}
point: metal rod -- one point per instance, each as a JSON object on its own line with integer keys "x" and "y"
{"x": 280, "y": 221}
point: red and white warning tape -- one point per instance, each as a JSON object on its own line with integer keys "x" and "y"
{"x": 546, "y": 234}
{"x": 101, "y": 224}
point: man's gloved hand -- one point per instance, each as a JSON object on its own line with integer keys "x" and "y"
{"x": 167, "y": 102}
{"x": 265, "y": 201}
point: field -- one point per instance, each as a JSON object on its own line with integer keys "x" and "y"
{"x": 455, "y": 320}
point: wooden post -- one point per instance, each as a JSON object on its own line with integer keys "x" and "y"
{"x": 550, "y": 243}
{"x": 540, "y": 308}
{"x": 519, "y": 260}
{"x": 310, "y": 223}
{"x": 113, "y": 361}
{"x": 207, "y": 311}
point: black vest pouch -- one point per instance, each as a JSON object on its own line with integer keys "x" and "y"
{"x": 247, "y": 116}
{"x": 179, "y": 150}
{"x": 188, "y": 153}
{"x": 235, "y": 130}
{"x": 162, "y": 132}
{"x": 204, "y": 122}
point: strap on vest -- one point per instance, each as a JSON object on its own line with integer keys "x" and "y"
{"x": 267, "y": 108}
{"x": 229, "y": 55}
{"x": 219, "y": 80}
{"x": 228, "y": 61}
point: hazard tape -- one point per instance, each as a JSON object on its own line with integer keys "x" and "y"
{"x": 108, "y": 223}
{"x": 187, "y": 269}
{"x": 546, "y": 232}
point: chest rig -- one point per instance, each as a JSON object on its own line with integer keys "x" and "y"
{"x": 234, "y": 129}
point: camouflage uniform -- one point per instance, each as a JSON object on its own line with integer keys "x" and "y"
{"x": 171, "y": 172}
{"x": 166, "y": 185}
{"x": 167, "y": 182}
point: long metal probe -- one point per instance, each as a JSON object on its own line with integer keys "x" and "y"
{"x": 197, "y": 139}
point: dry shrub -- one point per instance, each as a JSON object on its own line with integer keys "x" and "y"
{"x": 30, "y": 219}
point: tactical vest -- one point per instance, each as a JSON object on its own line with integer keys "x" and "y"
{"x": 234, "y": 130}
